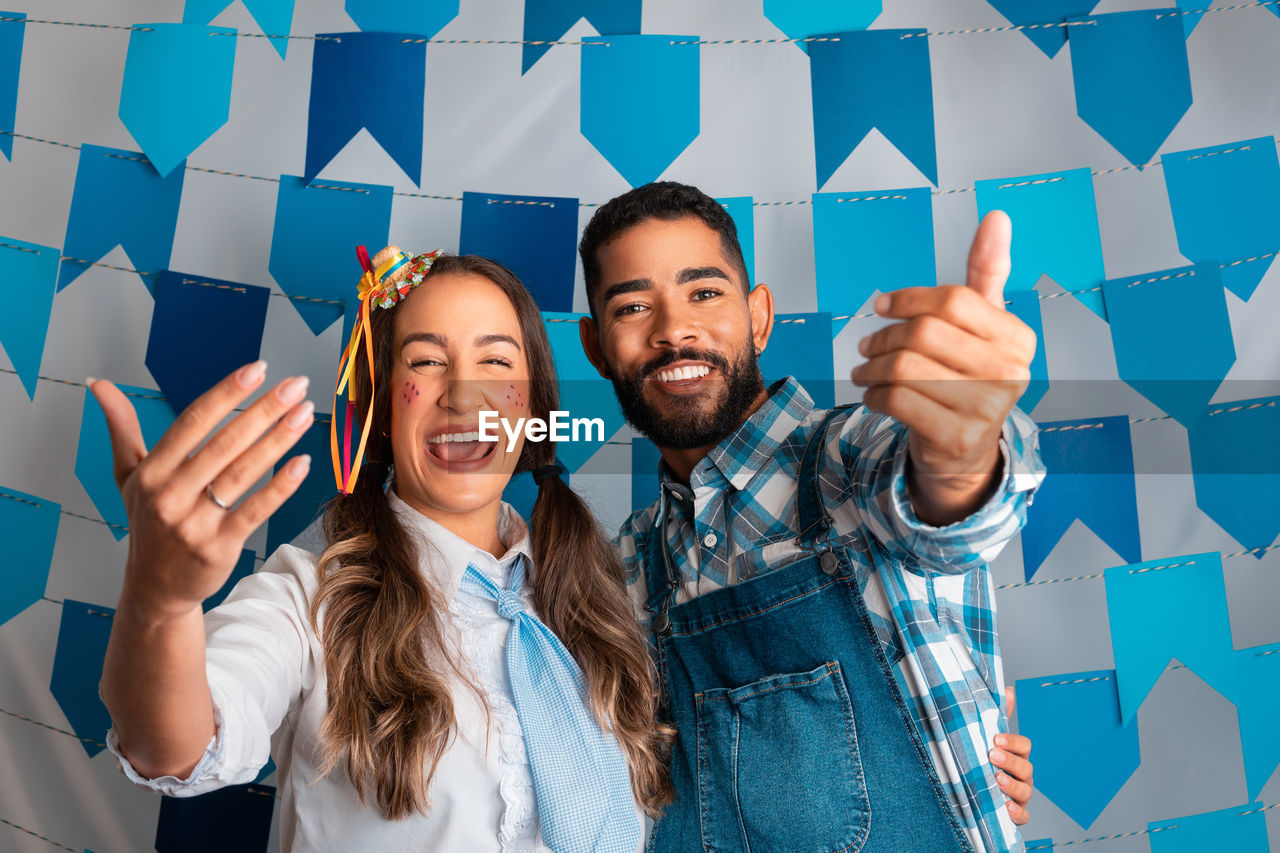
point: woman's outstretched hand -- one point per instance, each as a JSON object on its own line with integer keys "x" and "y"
{"x": 182, "y": 545}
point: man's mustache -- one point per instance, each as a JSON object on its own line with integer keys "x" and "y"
{"x": 670, "y": 357}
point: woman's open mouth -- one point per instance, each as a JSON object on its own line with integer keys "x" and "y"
{"x": 456, "y": 450}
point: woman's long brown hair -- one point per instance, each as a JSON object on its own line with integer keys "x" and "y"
{"x": 383, "y": 626}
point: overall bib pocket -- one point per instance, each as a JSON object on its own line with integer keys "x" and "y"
{"x": 778, "y": 766}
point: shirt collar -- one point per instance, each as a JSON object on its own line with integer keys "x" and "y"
{"x": 444, "y": 556}
{"x": 746, "y": 450}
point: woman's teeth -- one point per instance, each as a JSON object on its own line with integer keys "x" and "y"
{"x": 677, "y": 374}
{"x": 454, "y": 436}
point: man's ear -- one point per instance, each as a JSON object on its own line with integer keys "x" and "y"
{"x": 590, "y": 338}
{"x": 760, "y": 306}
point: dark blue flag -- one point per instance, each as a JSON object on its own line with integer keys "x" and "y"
{"x": 535, "y": 236}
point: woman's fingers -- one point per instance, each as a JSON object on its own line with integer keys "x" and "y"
{"x": 228, "y": 443}
{"x": 244, "y": 470}
{"x": 127, "y": 445}
{"x": 1019, "y": 792}
{"x": 198, "y": 419}
{"x": 1019, "y": 814}
{"x": 258, "y": 507}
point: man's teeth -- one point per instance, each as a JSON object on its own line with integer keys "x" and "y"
{"x": 677, "y": 374}
{"x": 454, "y": 436}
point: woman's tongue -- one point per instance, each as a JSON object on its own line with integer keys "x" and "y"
{"x": 460, "y": 451}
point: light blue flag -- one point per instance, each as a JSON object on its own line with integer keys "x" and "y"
{"x": 742, "y": 210}
{"x": 1256, "y": 694}
{"x": 1025, "y": 305}
{"x": 12, "y": 28}
{"x": 536, "y": 237}
{"x": 1090, "y": 464}
{"x": 77, "y": 669}
{"x": 801, "y": 19}
{"x": 355, "y": 80}
{"x": 641, "y": 100}
{"x": 799, "y": 346}
{"x": 1159, "y": 610}
{"x": 583, "y": 394}
{"x": 313, "y": 246}
{"x": 1172, "y": 337}
{"x": 423, "y": 18}
{"x": 645, "y": 457}
{"x": 1133, "y": 83}
{"x": 1061, "y": 713}
{"x": 548, "y": 20}
{"x": 868, "y": 241}
{"x": 1226, "y": 208}
{"x": 274, "y": 17}
{"x": 1043, "y": 21}
{"x": 1055, "y": 231}
{"x": 1040, "y": 845}
{"x": 29, "y": 526}
{"x": 177, "y": 88}
{"x": 98, "y": 222}
{"x": 201, "y": 330}
{"x": 875, "y": 78}
{"x": 1240, "y": 490}
{"x": 94, "y": 467}
{"x": 1240, "y": 829}
{"x": 25, "y": 323}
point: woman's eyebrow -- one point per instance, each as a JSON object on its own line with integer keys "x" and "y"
{"x": 486, "y": 340}
{"x": 424, "y": 337}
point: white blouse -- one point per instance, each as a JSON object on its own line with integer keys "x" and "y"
{"x": 266, "y": 674}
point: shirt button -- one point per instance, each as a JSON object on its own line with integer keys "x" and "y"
{"x": 710, "y": 540}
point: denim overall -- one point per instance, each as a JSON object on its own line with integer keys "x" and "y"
{"x": 793, "y": 735}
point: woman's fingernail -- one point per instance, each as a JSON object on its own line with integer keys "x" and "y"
{"x": 882, "y": 303}
{"x": 1002, "y": 780}
{"x": 299, "y": 417}
{"x": 998, "y": 756}
{"x": 251, "y": 374}
{"x": 292, "y": 390}
{"x": 1001, "y": 740}
{"x": 298, "y": 466}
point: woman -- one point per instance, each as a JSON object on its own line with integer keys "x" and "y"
{"x": 415, "y": 702}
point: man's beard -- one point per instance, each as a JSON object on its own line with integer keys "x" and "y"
{"x": 686, "y": 425}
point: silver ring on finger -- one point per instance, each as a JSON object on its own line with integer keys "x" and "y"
{"x": 208, "y": 490}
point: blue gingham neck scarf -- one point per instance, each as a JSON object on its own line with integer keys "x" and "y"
{"x": 580, "y": 778}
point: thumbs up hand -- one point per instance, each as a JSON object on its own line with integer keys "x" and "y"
{"x": 951, "y": 371}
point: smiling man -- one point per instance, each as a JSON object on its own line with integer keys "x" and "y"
{"x": 816, "y": 581}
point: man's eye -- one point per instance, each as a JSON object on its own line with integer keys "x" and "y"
{"x": 705, "y": 293}
{"x": 633, "y": 308}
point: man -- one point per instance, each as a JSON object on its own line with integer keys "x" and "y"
{"x": 822, "y": 613}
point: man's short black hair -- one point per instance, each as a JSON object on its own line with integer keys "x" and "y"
{"x": 666, "y": 200}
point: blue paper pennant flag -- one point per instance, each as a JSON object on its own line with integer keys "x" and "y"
{"x": 875, "y": 78}
{"x": 98, "y": 222}
{"x": 1055, "y": 231}
{"x": 534, "y": 236}
{"x": 274, "y": 17}
{"x": 618, "y": 104}
{"x": 317, "y": 230}
{"x": 201, "y": 330}
{"x": 548, "y": 20}
{"x": 423, "y": 18}
{"x": 1132, "y": 79}
{"x": 354, "y": 77}
{"x": 790, "y": 352}
{"x": 803, "y": 19}
{"x": 29, "y": 526}
{"x": 12, "y": 30}
{"x": 1226, "y": 208}
{"x": 24, "y": 323}
{"x": 177, "y": 88}
{"x": 890, "y": 232}
{"x": 237, "y": 817}
{"x": 1043, "y": 21}
{"x": 1090, "y": 465}
{"x": 1172, "y": 337}
{"x": 1026, "y": 306}
{"x": 583, "y": 394}
{"x": 1239, "y": 491}
{"x": 742, "y": 210}
{"x": 1240, "y": 829}
{"x": 305, "y": 504}
{"x": 1061, "y": 712}
{"x": 1164, "y": 609}
{"x": 77, "y": 669}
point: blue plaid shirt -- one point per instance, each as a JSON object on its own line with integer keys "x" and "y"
{"x": 929, "y": 592}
